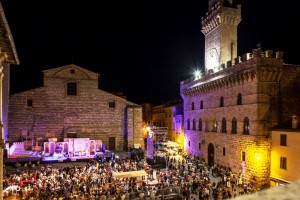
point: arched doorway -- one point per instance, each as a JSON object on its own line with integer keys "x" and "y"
{"x": 211, "y": 155}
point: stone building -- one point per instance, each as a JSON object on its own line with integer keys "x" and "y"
{"x": 70, "y": 104}
{"x": 284, "y": 153}
{"x": 170, "y": 115}
{"x": 8, "y": 56}
{"x": 230, "y": 109}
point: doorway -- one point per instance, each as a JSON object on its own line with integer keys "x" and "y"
{"x": 112, "y": 143}
{"x": 211, "y": 155}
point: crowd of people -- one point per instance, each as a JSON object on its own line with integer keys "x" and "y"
{"x": 186, "y": 178}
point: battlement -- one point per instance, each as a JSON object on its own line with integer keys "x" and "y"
{"x": 257, "y": 54}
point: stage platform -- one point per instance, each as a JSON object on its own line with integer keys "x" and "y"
{"x": 54, "y": 159}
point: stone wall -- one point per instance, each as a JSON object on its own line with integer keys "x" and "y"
{"x": 257, "y": 80}
{"x": 53, "y": 112}
{"x": 134, "y": 123}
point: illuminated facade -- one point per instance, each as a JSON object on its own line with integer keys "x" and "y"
{"x": 168, "y": 115}
{"x": 71, "y": 105}
{"x": 219, "y": 27}
{"x": 229, "y": 111}
{"x": 284, "y": 155}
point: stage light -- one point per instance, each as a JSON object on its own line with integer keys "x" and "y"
{"x": 148, "y": 128}
{"x": 197, "y": 74}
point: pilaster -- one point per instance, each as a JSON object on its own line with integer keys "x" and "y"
{"x": 3, "y": 57}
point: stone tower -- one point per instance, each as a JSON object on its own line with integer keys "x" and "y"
{"x": 219, "y": 27}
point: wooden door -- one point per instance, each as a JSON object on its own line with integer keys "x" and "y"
{"x": 112, "y": 143}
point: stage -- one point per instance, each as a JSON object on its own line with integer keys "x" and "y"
{"x": 53, "y": 159}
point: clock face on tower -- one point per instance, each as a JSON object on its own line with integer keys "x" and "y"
{"x": 212, "y": 58}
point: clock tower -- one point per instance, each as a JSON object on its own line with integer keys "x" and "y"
{"x": 219, "y": 27}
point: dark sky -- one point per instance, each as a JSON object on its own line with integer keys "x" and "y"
{"x": 141, "y": 48}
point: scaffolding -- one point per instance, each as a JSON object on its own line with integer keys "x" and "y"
{"x": 160, "y": 134}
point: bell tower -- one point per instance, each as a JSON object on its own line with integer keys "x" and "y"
{"x": 219, "y": 27}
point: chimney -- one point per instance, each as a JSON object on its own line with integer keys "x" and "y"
{"x": 294, "y": 122}
{"x": 279, "y": 54}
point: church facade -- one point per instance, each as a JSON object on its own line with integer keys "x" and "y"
{"x": 70, "y": 105}
{"x": 230, "y": 109}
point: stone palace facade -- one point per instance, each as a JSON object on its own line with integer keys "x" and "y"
{"x": 230, "y": 109}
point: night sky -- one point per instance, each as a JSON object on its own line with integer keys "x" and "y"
{"x": 141, "y": 48}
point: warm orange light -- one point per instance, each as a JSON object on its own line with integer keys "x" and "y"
{"x": 257, "y": 157}
{"x": 179, "y": 140}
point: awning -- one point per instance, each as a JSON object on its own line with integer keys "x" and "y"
{"x": 130, "y": 174}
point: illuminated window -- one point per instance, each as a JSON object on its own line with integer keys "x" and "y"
{"x": 282, "y": 139}
{"x": 234, "y": 126}
{"x": 224, "y": 151}
{"x": 199, "y": 145}
{"x": 222, "y": 102}
{"x": 246, "y": 126}
{"x": 72, "y": 89}
{"x": 239, "y": 99}
{"x": 223, "y": 129}
{"x": 201, "y": 104}
{"x": 200, "y": 124}
{"x": 243, "y": 156}
{"x": 193, "y": 106}
{"x": 188, "y": 124}
{"x": 194, "y": 124}
{"x": 111, "y": 104}
{"x": 283, "y": 162}
{"x": 29, "y": 102}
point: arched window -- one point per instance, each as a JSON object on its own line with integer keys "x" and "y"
{"x": 201, "y": 104}
{"x": 194, "y": 124}
{"x": 193, "y": 106}
{"x": 188, "y": 125}
{"x": 200, "y": 124}
{"x": 239, "y": 99}
{"x": 72, "y": 88}
{"x": 246, "y": 126}
{"x": 223, "y": 129}
{"x": 234, "y": 126}
{"x": 222, "y": 102}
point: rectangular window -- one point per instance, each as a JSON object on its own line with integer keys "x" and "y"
{"x": 243, "y": 156}
{"x": 72, "y": 89}
{"x": 199, "y": 145}
{"x": 224, "y": 151}
{"x": 282, "y": 162}
{"x": 189, "y": 143}
{"x": 29, "y": 102}
{"x": 111, "y": 104}
{"x": 282, "y": 139}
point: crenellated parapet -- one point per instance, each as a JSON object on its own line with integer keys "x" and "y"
{"x": 212, "y": 19}
{"x": 221, "y": 83}
{"x": 256, "y": 66}
{"x": 220, "y": 15}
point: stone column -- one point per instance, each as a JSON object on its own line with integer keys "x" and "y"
{"x": 3, "y": 57}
